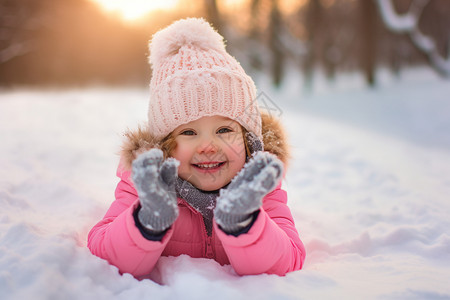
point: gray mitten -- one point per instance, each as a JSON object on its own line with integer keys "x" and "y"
{"x": 154, "y": 179}
{"x": 254, "y": 143}
{"x": 244, "y": 195}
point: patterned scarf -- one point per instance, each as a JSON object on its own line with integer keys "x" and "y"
{"x": 202, "y": 201}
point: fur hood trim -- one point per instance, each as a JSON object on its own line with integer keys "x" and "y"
{"x": 141, "y": 140}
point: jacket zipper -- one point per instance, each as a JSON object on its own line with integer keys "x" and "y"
{"x": 209, "y": 253}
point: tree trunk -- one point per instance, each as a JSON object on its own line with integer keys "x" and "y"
{"x": 314, "y": 16}
{"x": 368, "y": 39}
{"x": 213, "y": 15}
{"x": 275, "y": 28}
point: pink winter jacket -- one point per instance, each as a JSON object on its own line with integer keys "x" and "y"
{"x": 272, "y": 245}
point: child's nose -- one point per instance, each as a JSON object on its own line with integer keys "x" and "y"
{"x": 207, "y": 145}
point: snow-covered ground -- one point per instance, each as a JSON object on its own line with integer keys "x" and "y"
{"x": 369, "y": 188}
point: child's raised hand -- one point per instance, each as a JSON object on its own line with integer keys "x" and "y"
{"x": 254, "y": 142}
{"x": 244, "y": 195}
{"x": 154, "y": 179}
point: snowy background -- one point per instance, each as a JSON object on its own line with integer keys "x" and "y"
{"x": 369, "y": 188}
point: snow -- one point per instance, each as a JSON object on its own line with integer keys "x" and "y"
{"x": 368, "y": 187}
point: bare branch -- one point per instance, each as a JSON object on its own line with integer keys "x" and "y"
{"x": 395, "y": 22}
{"x": 408, "y": 23}
{"x": 14, "y": 50}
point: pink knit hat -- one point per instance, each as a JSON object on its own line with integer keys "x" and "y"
{"x": 193, "y": 76}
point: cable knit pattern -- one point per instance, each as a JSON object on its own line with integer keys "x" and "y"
{"x": 193, "y": 76}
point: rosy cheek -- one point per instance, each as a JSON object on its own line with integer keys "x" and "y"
{"x": 183, "y": 154}
{"x": 178, "y": 154}
{"x": 237, "y": 153}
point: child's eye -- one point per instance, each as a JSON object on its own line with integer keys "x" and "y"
{"x": 224, "y": 130}
{"x": 187, "y": 132}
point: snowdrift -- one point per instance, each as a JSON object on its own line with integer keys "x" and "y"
{"x": 368, "y": 186}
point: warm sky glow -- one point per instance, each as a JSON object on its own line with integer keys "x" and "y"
{"x": 134, "y": 9}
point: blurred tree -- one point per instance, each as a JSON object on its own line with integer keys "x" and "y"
{"x": 16, "y": 38}
{"x": 313, "y": 21}
{"x": 213, "y": 15}
{"x": 72, "y": 42}
{"x": 275, "y": 44}
{"x": 254, "y": 35}
{"x": 368, "y": 38}
{"x": 68, "y": 42}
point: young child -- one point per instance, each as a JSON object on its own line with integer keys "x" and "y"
{"x": 196, "y": 181}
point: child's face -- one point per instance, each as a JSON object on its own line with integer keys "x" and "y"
{"x": 211, "y": 151}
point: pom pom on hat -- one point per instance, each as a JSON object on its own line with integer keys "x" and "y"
{"x": 194, "y": 32}
{"x": 193, "y": 76}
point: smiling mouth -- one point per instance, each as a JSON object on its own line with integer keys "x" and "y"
{"x": 209, "y": 166}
